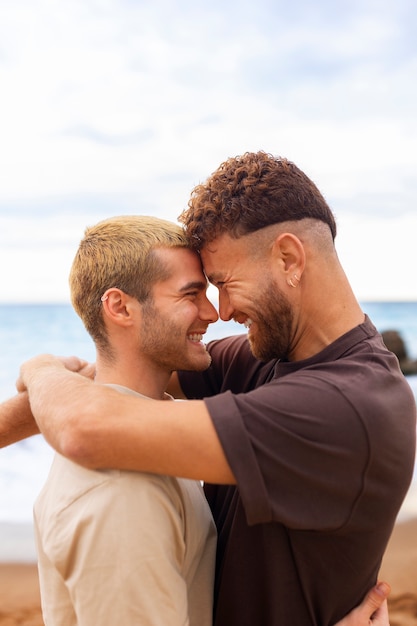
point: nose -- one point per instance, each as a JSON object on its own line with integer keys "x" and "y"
{"x": 208, "y": 311}
{"x": 225, "y": 308}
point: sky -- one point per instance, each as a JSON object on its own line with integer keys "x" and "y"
{"x": 111, "y": 107}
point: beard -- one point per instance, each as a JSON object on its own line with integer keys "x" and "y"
{"x": 272, "y": 337}
{"x": 165, "y": 342}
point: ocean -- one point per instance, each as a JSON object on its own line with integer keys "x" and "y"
{"x": 30, "y": 329}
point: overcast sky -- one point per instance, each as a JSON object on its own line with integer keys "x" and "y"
{"x": 121, "y": 106}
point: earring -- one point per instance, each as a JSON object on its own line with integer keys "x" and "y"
{"x": 293, "y": 282}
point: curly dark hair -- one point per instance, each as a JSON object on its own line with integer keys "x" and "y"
{"x": 247, "y": 193}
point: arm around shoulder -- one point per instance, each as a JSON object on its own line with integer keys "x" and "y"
{"x": 121, "y": 431}
{"x": 99, "y": 427}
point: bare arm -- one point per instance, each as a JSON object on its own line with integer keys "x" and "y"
{"x": 97, "y": 426}
{"x": 372, "y": 611}
{"x": 16, "y": 420}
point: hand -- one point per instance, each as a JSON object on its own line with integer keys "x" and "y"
{"x": 373, "y": 610}
{"x": 72, "y": 363}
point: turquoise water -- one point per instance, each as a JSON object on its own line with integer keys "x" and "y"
{"x": 26, "y": 330}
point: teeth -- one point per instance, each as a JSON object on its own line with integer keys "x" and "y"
{"x": 195, "y": 337}
{"x": 248, "y": 323}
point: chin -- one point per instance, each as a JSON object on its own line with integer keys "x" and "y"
{"x": 202, "y": 364}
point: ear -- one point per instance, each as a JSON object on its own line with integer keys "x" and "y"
{"x": 117, "y": 307}
{"x": 289, "y": 255}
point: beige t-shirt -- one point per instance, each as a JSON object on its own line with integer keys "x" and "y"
{"x": 120, "y": 547}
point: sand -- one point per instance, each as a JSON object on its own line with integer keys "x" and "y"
{"x": 19, "y": 595}
{"x": 20, "y": 600}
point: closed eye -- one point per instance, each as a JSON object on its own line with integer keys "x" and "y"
{"x": 192, "y": 289}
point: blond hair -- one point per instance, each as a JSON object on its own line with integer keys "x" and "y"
{"x": 119, "y": 252}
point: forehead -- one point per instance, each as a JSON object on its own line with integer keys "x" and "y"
{"x": 224, "y": 255}
{"x": 184, "y": 265}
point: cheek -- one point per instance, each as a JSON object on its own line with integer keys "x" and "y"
{"x": 189, "y": 311}
{"x": 243, "y": 295}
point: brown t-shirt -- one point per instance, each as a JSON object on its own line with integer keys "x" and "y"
{"x": 323, "y": 453}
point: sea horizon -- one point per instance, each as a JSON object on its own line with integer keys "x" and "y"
{"x": 34, "y": 327}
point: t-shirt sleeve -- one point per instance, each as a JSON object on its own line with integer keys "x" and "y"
{"x": 292, "y": 454}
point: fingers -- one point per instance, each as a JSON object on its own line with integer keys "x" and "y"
{"x": 381, "y": 616}
{"x": 79, "y": 366}
{"x": 376, "y": 600}
{"x": 20, "y": 385}
{"x": 373, "y": 610}
{"x": 72, "y": 363}
{"x": 374, "y": 607}
{"x": 89, "y": 370}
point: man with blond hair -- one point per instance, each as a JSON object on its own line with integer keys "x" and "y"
{"x": 120, "y": 547}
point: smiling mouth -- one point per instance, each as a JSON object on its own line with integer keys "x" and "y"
{"x": 248, "y": 323}
{"x": 195, "y": 337}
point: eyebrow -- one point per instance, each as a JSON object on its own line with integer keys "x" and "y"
{"x": 216, "y": 277}
{"x": 196, "y": 284}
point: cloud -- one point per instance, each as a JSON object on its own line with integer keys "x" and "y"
{"x": 123, "y": 106}
{"x": 128, "y": 138}
{"x": 378, "y": 255}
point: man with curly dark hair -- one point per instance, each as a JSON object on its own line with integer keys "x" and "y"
{"x": 249, "y": 193}
{"x": 306, "y": 431}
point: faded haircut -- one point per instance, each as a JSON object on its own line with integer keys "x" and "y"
{"x": 249, "y": 192}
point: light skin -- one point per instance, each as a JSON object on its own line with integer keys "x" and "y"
{"x": 179, "y": 438}
{"x": 317, "y": 322}
{"x": 152, "y": 339}
{"x": 146, "y": 341}
{"x": 373, "y": 609}
{"x": 65, "y": 405}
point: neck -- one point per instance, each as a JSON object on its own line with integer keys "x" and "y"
{"x": 136, "y": 374}
{"x": 327, "y": 318}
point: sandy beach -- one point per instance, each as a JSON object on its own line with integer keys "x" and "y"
{"x": 20, "y": 600}
{"x": 19, "y": 595}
